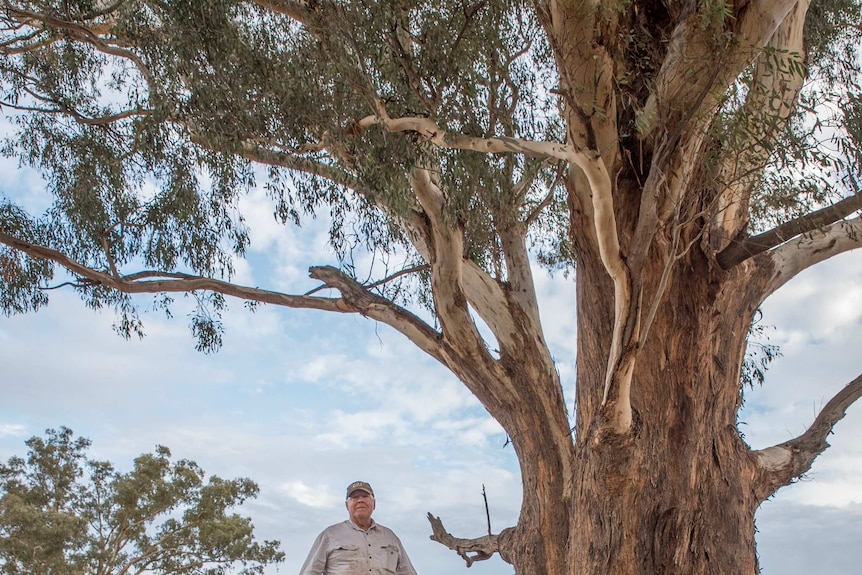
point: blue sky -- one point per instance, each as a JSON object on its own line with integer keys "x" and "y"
{"x": 305, "y": 402}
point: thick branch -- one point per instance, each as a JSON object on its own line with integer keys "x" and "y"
{"x": 791, "y": 258}
{"x": 772, "y": 96}
{"x": 446, "y": 259}
{"x": 429, "y": 130}
{"x": 740, "y": 250}
{"x": 783, "y": 463}
{"x": 482, "y": 291}
{"x": 482, "y": 548}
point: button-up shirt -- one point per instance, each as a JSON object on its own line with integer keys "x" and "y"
{"x": 345, "y": 549}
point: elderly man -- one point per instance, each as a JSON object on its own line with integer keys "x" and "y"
{"x": 358, "y": 546}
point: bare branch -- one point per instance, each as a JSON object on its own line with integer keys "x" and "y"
{"x": 786, "y": 462}
{"x": 789, "y": 259}
{"x": 398, "y": 274}
{"x": 356, "y": 297}
{"x": 481, "y": 548}
{"x": 742, "y": 249}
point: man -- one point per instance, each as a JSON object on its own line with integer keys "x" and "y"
{"x": 358, "y": 546}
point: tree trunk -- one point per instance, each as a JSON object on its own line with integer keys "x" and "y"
{"x": 676, "y": 494}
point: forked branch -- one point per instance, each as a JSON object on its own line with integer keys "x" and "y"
{"x": 471, "y": 550}
{"x": 786, "y": 462}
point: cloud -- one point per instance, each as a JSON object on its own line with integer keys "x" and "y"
{"x": 800, "y": 539}
{"x": 321, "y": 498}
{"x": 12, "y": 430}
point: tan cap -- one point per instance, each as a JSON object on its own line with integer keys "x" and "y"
{"x": 360, "y": 486}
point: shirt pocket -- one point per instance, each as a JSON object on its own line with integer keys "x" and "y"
{"x": 389, "y": 558}
{"x": 344, "y": 558}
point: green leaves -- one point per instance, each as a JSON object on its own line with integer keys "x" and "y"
{"x": 63, "y": 513}
{"x": 20, "y": 275}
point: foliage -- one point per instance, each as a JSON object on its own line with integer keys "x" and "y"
{"x": 159, "y": 182}
{"x": 759, "y": 355}
{"x": 63, "y": 513}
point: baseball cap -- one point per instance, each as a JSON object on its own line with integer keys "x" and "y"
{"x": 360, "y": 486}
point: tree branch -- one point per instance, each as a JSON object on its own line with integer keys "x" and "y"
{"x": 398, "y": 274}
{"x": 381, "y": 309}
{"x": 355, "y": 297}
{"x": 74, "y": 114}
{"x": 779, "y": 75}
{"x": 430, "y": 131}
{"x": 782, "y": 464}
{"x": 482, "y": 548}
{"x": 791, "y": 258}
{"x": 85, "y": 34}
{"x": 740, "y": 250}
{"x": 446, "y": 252}
{"x": 171, "y": 282}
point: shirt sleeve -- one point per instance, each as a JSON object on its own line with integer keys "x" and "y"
{"x": 404, "y": 567}
{"x": 315, "y": 563}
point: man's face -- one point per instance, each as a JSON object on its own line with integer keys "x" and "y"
{"x": 360, "y": 505}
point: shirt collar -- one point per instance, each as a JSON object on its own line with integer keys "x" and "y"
{"x": 358, "y": 528}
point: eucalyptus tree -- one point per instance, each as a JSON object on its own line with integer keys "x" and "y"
{"x": 685, "y": 158}
{"x": 64, "y": 513}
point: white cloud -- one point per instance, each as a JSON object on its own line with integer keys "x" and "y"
{"x": 12, "y": 430}
{"x": 318, "y": 497}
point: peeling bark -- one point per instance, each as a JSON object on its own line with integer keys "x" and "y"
{"x": 786, "y": 462}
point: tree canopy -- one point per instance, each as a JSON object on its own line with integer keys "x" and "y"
{"x": 686, "y": 159}
{"x": 63, "y": 513}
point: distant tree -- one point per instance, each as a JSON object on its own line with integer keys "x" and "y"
{"x": 64, "y": 514}
{"x": 685, "y": 158}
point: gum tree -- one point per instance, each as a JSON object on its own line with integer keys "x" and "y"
{"x": 63, "y": 513}
{"x": 686, "y": 158}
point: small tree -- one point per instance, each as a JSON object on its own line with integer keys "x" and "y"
{"x": 62, "y": 513}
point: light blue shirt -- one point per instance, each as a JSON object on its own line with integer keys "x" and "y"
{"x": 345, "y": 549}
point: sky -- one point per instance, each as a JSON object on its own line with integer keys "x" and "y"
{"x": 306, "y": 402}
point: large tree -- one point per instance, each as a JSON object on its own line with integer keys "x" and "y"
{"x": 62, "y": 513}
{"x": 686, "y": 158}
